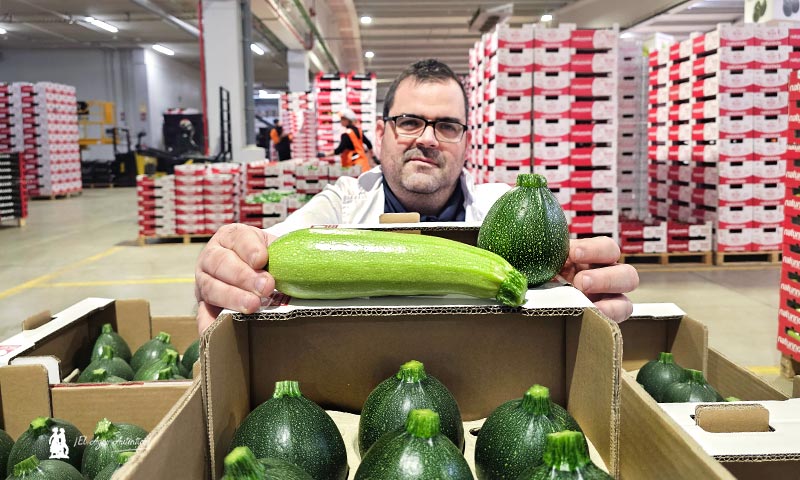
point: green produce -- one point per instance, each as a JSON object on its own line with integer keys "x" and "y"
{"x": 527, "y": 227}
{"x": 190, "y": 356}
{"x": 241, "y": 464}
{"x": 33, "y": 468}
{"x": 566, "y": 457}
{"x": 151, "y": 350}
{"x": 101, "y": 375}
{"x": 6, "y": 442}
{"x": 693, "y": 389}
{"x": 793, "y": 334}
{"x": 36, "y": 440}
{"x": 167, "y": 359}
{"x": 342, "y": 263}
{"x": 733, "y": 399}
{"x": 109, "y": 362}
{"x": 417, "y": 452}
{"x": 167, "y": 373}
{"x": 512, "y": 439}
{"x": 389, "y": 404}
{"x": 109, "y": 337}
{"x": 656, "y": 375}
{"x": 109, "y": 440}
{"x": 291, "y": 427}
{"x": 108, "y": 472}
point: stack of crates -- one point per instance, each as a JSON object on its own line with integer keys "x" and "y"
{"x": 632, "y": 158}
{"x": 221, "y": 187}
{"x": 297, "y": 114}
{"x": 330, "y": 96}
{"x": 13, "y": 199}
{"x": 362, "y": 99}
{"x": 155, "y": 198}
{"x": 190, "y": 215}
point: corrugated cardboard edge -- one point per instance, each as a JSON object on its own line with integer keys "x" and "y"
{"x": 646, "y": 428}
{"x": 148, "y": 462}
{"x": 24, "y": 395}
{"x": 404, "y": 311}
{"x": 731, "y": 379}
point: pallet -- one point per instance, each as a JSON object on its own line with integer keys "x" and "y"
{"x": 15, "y": 222}
{"x": 159, "y": 239}
{"x": 730, "y": 258}
{"x": 789, "y": 366}
{"x": 55, "y": 197}
{"x": 98, "y": 185}
{"x": 667, "y": 258}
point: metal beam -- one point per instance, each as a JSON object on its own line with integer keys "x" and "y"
{"x": 153, "y": 8}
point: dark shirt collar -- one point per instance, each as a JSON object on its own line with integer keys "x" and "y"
{"x": 453, "y": 210}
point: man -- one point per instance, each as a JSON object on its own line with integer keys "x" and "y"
{"x": 354, "y": 147}
{"x": 423, "y": 142}
{"x": 282, "y": 141}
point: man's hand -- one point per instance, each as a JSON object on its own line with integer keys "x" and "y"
{"x": 593, "y": 269}
{"x": 230, "y": 273}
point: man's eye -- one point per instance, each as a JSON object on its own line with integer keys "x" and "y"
{"x": 408, "y": 123}
{"x": 451, "y": 128}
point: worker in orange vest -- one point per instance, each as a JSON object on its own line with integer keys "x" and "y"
{"x": 354, "y": 147}
{"x": 282, "y": 141}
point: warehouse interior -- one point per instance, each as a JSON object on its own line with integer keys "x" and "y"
{"x": 174, "y": 94}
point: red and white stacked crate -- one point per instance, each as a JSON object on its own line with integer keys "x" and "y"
{"x": 221, "y": 188}
{"x": 330, "y": 94}
{"x": 260, "y": 177}
{"x": 45, "y": 130}
{"x": 297, "y": 113}
{"x": 362, "y": 99}
{"x": 631, "y": 137}
{"x": 13, "y": 194}
{"x": 190, "y": 218}
{"x": 593, "y": 139}
{"x": 789, "y": 306}
{"x": 155, "y": 198}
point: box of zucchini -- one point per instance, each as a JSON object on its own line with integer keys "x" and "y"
{"x": 96, "y": 358}
{"x": 351, "y": 383}
{"x": 671, "y": 381}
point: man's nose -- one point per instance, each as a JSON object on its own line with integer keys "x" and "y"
{"x": 427, "y": 137}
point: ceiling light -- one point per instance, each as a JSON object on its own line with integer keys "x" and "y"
{"x": 369, "y": 54}
{"x": 162, "y": 49}
{"x": 366, "y": 20}
{"x": 3, "y": 31}
{"x": 256, "y": 49}
{"x": 627, "y": 35}
{"x": 547, "y": 17}
{"x": 265, "y": 95}
{"x": 101, "y": 24}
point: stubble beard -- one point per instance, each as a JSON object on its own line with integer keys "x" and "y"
{"x": 422, "y": 179}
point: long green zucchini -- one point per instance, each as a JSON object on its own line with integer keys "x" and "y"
{"x": 322, "y": 263}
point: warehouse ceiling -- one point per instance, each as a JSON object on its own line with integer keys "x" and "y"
{"x": 401, "y": 31}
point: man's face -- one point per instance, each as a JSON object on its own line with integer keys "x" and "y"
{"x": 423, "y": 165}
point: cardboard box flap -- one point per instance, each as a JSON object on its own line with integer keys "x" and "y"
{"x": 553, "y": 296}
{"x": 28, "y": 339}
{"x": 37, "y": 320}
{"x": 656, "y": 310}
{"x": 781, "y": 442}
{"x": 645, "y": 337}
{"x": 646, "y": 428}
{"x": 132, "y": 322}
{"x": 23, "y": 396}
{"x": 732, "y": 380}
{"x": 182, "y": 329}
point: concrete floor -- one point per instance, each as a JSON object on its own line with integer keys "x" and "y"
{"x": 86, "y": 247}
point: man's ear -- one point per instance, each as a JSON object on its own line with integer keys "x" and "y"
{"x": 379, "y": 131}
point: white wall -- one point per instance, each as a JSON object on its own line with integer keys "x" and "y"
{"x": 170, "y": 84}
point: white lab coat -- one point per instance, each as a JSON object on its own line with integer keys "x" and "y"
{"x": 360, "y": 200}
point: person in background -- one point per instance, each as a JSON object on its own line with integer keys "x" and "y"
{"x": 282, "y": 141}
{"x": 423, "y": 140}
{"x": 354, "y": 147}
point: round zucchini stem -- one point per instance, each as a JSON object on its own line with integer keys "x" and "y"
{"x": 170, "y": 356}
{"x": 412, "y": 371}
{"x": 107, "y": 328}
{"x": 287, "y": 388}
{"x": 531, "y": 180}
{"x": 696, "y": 376}
{"x": 41, "y": 425}
{"x": 242, "y": 464}
{"x": 537, "y": 400}
{"x": 123, "y": 457}
{"x": 665, "y": 357}
{"x": 566, "y": 451}
{"x": 164, "y": 374}
{"x": 27, "y": 466}
{"x": 423, "y": 423}
{"x": 105, "y": 429}
{"x": 163, "y": 337}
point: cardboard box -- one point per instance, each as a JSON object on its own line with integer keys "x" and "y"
{"x": 552, "y": 83}
{"x": 649, "y": 432}
{"x": 50, "y": 348}
{"x": 245, "y": 355}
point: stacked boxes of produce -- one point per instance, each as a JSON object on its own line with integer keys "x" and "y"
{"x": 155, "y": 198}
{"x": 473, "y": 86}
{"x": 190, "y": 215}
{"x": 720, "y": 132}
{"x": 13, "y": 198}
{"x": 6, "y": 118}
{"x": 631, "y": 137}
{"x": 221, "y": 187}
{"x": 297, "y": 114}
{"x": 788, "y": 316}
{"x": 45, "y": 130}
{"x": 593, "y": 139}
{"x": 657, "y": 117}
{"x": 330, "y": 95}
{"x": 264, "y": 186}
{"x": 310, "y": 176}
{"x": 362, "y": 99}
{"x": 552, "y": 101}
{"x": 507, "y": 87}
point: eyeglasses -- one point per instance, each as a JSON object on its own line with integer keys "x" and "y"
{"x": 412, "y": 126}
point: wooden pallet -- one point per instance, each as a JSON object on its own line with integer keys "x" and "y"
{"x": 730, "y": 258}
{"x": 16, "y": 222}
{"x": 98, "y": 185}
{"x": 667, "y": 258}
{"x": 789, "y": 366}
{"x": 185, "y": 239}
{"x": 56, "y": 197}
